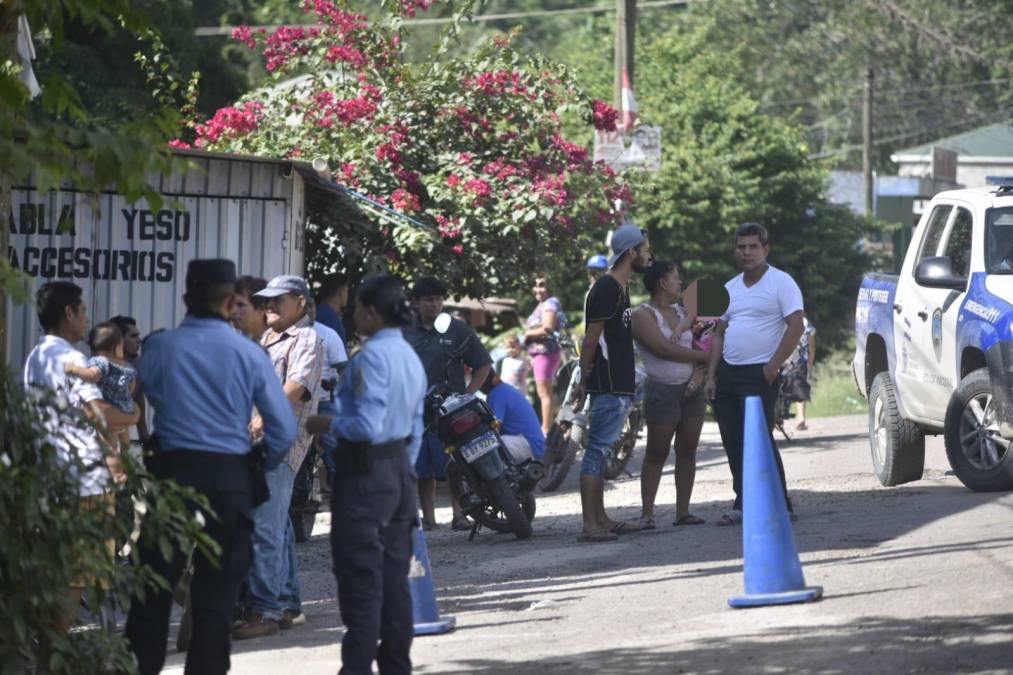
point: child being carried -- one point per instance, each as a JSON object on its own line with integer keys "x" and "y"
{"x": 108, "y": 369}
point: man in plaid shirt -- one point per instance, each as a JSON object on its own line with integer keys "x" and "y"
{"x": 297, "y": 352}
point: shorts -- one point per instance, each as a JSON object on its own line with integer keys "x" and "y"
{"x": 432, "y": 460}
{"x": 608, "y": 413}
{"x": 102, "y": 502}
{"x": 667, "y": 403}
{"x": 545, "y": 366}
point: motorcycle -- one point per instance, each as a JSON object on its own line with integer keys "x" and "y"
{"x": 492, "y": 483}
{"x": 568, "y": 433}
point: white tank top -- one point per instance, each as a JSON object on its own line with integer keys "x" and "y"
{"x": 663, "y": 370}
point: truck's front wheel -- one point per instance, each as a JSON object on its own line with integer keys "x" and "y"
{"x": 898, "y": 445}
{"x": 981, "y": 458}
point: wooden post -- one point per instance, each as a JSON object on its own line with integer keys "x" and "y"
{"x": 867, "y": 143}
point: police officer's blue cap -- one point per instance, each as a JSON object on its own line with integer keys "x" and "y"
{"x": 597, "y": 262}
{"x": 205, "y": 272}
{"x": 282, "y": 284}
{"x": 624, "y": 238}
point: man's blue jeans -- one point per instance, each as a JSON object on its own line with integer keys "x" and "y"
{"x": 608, "y": 413}
{"x": 274, "y": 582}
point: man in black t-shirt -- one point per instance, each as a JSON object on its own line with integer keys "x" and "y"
{"x": 608, "y": 375}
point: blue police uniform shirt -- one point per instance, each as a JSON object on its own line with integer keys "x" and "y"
{"x": 327, "y": 316}
{"x": 512, "y": 408}
{"x": 204, "y": 379}
{"x": 381, "y": 395}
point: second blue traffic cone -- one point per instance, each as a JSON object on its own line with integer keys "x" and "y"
{"x": 425, "y": 613}
{"x": 773, "y": 572}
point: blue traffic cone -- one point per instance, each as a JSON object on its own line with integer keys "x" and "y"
{"x": 773, "y": 573}
{"x": 425, "y": 613}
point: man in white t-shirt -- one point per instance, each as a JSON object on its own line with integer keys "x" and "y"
{"x": 754, "y": 338}
{"x": 64, "y": 319}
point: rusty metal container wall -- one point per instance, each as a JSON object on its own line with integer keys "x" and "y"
{"x": 130, "y": 260}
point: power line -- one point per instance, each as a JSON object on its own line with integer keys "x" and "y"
{"x": 213, "y": 31}
{"x": 989, "y": 118}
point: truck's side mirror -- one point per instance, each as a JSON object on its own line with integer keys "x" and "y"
{"x": 937, "y": 272}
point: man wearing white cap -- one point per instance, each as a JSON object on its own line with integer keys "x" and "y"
{"x": 608, "y": 375}
{"x": 297, "y": 353}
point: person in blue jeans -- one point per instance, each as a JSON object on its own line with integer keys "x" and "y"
{"x": 608, "y": 375}
{"x": 297, "y": 353}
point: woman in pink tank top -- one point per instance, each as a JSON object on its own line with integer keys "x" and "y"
{"x": 673, "y": 399}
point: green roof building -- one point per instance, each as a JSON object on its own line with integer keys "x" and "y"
{"x": 986, "y": 151}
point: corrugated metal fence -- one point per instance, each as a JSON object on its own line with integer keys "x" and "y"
{"x": 132, "y": 260}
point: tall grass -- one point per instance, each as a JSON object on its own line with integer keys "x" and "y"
{"x": 833, "y": 388}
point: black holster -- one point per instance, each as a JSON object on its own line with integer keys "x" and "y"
{"x": 152, "y": 455}
{"x": 256, "y": 461}
{"x": 354, "y": 456}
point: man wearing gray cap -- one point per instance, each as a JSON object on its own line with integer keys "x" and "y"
{"x": 202, "y": 380}
{"x": 297, "y": 353}
{"x": 608, "y": 374}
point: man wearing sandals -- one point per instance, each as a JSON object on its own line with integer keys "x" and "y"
{"x": 608, "y": 375}
{"x": 754, "y": 338}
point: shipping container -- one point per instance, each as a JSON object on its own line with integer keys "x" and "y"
{"x": 131, "y": 259}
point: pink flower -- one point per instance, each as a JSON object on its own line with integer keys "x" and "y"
{"x": 576, "y": 155}
{"x": 479, "y": 187}
{"x": 449, "y": 227}
{"x": 458, "y": 249}
{"x": 410, "y": 7}
{"x": 453, "y": 180}
{"x": 244, "y": 35}
{"x": 230, "y": 122}
{"x": 287, "y": 42}
{"x": 605, "y": 116}
{"x": 387, "y": 152}
{"x": 178, "y": 143}
{"x": 405, "y": 201}
{"x": 349, "y": 55}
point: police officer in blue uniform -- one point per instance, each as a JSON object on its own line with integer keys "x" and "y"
{"x": 203, "y": 380}
{"x": 379, "y": 426}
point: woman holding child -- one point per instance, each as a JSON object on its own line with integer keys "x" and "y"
{"x": 673, "y": 394}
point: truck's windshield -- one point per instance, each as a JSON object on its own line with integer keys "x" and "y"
{"x": 999, "y": 241}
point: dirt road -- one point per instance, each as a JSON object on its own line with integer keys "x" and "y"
{"x": 917, "y": 579}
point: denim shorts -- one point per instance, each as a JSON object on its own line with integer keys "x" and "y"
{"x": 432, "y": 460}
{"x": 608, "y": 413}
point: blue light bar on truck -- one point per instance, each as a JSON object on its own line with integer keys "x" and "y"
{"x": 1000, "y": 181}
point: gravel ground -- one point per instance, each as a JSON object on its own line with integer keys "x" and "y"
{"x": 917, "y": 579}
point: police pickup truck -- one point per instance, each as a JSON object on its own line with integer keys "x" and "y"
{"x": 934, "y": 347}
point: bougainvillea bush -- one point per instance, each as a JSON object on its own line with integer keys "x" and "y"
{"x": 471, "y": 148}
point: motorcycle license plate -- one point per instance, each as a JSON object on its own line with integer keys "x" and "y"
{"x": 479, "y": 447}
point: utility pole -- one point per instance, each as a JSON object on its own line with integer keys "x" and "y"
{"x": 867, "y": 141}
{"x": 626, "y": 28}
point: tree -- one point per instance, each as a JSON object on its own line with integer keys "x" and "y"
{"x": 726, "y": 163}
{"x": 54, "y": 137}
{"x": 471, "y": 149}
{"x": 941, "y": 67}
{"x": 52, "y": 536}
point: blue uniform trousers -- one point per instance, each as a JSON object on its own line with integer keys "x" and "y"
{"x": 372, "y": 516}
{"x": 225, "y": 481}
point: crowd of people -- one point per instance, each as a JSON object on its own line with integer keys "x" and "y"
{"x": 258, "y": 374}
